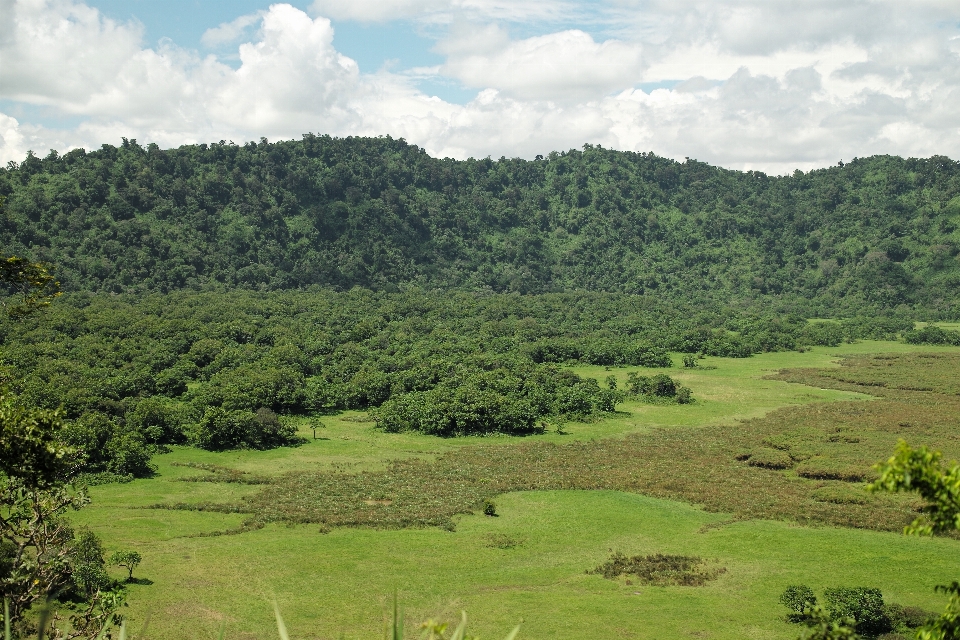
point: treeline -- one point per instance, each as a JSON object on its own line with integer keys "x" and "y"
{"x": 874, "y": 233}
{"x": 224, "y": 370}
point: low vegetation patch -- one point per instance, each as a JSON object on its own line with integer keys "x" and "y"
{"x": 710, "y": 469}
{"x": 503, "y": 541}
{"x": 767, "y": 458}
{"x": 220, "y": 473}
{"x": 660, "y": 570}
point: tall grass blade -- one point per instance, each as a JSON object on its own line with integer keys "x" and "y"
{"x": 281, "y": 628}
{"x": 7, "y": 635}
{"x": 223, "y": 630}
{"x": 461, "y": 629}
{"x": 513, "y": 634}
{"x": 397, "y": 619}
{"x": 123, "y": 630}
{"x": 146, "y": 623}
{"x": 44, "y": 618}
{"x": 103, "y": 632}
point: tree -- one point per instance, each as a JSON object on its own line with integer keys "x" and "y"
{"x": 126, "y": 559}
{"x": 29, "y": 285}
{"x": 30, "y": 450}
{"x": 87, "y": 563}
{"x": 39, "y": 556}
{"x": 923, "y": 471}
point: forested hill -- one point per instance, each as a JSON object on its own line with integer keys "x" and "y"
{"x": 377, "y": 212}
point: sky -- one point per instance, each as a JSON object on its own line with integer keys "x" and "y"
{"x": 769, "y": 85}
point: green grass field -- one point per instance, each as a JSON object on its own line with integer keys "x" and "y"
{"x": 526, "y": 564}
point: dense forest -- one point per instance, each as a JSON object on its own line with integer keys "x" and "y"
{"x": 214, "y": 290}
{"x": 874, "y": 233}
{"x": 133, "y": 374}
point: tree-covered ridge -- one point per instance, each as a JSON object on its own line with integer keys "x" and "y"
{"x": 217, "y": 368}
{"x": 378, "y": 212}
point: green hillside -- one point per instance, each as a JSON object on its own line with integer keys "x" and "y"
{"x": 377, "y": 213}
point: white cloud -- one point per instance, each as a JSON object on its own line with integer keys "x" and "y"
{"x": 57, "y": 52}
{"x": 765, "y": 85}
{"x": 445, "y": 11}
{"x": 229, "y": 32}
{"x": 565, "y": 66}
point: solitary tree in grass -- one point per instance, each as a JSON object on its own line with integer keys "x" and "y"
{"x": 127, "y": 559}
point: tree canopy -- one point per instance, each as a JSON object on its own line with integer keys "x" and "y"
{"x": 379, "y": 213}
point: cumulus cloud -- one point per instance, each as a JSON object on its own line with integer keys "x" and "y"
{"x": 742, "y": 83}
{"x": 564, "y": 66}
{"x": 58, "y": 52}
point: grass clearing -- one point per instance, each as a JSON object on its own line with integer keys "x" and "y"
{"x": 342, "y": 581}
{"x": 529, "y": 562}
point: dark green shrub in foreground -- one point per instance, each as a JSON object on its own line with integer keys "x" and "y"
{"x": 657, "y": 388}
{"x": 863, "y": 604}
{"x": 88, "y": 567}
{"x": 798, "y": 598}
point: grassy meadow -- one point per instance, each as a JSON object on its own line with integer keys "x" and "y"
{"x": 346, "y": 519}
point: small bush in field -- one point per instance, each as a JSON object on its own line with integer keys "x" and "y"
{"x": 906, "y": 619}
{"x": 863, "y": 604}
{"x": 489, "y": 508}
{"x": 798, "y": 598}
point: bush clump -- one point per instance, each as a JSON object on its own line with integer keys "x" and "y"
{"x": 863, "y": 605}
{"x": 658, "y": 388}
{"x": 508, "y": 396}
{"x": 660, "y": 569}
{"x": 799, "y": 598}
{"x": 222, "y": 429}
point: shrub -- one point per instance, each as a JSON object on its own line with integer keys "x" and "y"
{"x": 684, "y": 395}
{"x": 689, "y": 361}
{"x": 221, "y": 429}
{"x": 660, "y": 569}
{"x": 798, "y": 598}
{"x": 863, "y": 604}
{"x": 656, "y": 387}
{"x": 105, "y": 447}
{"x": 87, "y": 565}
{"x": 489, "y": 508}
{"x": 905, "y": 619}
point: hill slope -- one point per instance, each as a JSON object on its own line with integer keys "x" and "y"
{"x": 376, "y": 212}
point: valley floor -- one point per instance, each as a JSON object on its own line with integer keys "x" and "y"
{"x": 530, "y": 562}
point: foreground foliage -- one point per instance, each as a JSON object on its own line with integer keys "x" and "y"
{"x": 921, "y": 471}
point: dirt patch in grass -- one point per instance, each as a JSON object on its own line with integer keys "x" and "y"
{"x": 716, "y": 467}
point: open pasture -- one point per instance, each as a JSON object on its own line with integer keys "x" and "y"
{"x": 728, "y": 478}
